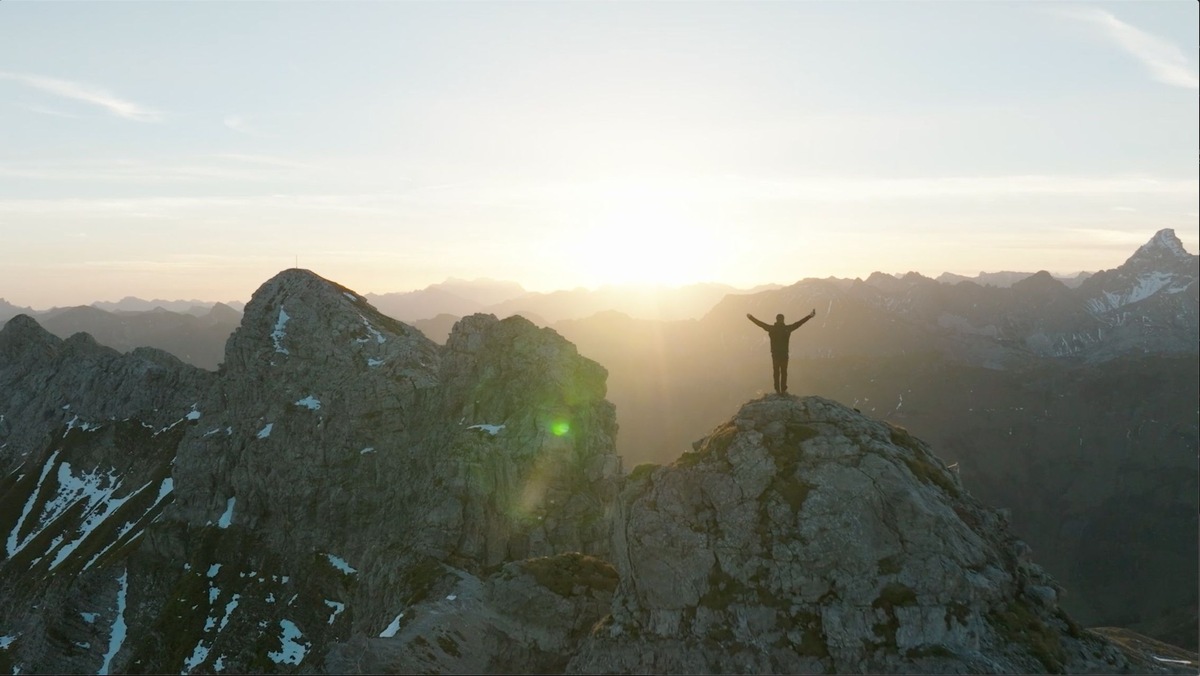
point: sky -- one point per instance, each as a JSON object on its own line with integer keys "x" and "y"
{"x": 192, "y": 150}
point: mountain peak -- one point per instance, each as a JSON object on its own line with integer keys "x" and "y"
{"x": 1163, "y": 245}
{"x": 23, "y": 325}
{"x": 297, "y": 287}
{"x": 22, "y": 334}
{"x": 845, "y": 538}
{"x": 292, "y": 280}
{"x": 297, "y": 314}
{"x": 1039, "y": 282}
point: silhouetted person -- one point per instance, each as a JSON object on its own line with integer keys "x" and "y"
{"x": 781, "y": 334}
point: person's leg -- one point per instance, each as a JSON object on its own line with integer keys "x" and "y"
{"x": 775, "y": 372}
{"x": 783, "y": 363}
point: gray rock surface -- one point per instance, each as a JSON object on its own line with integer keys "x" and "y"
{"x": 526, "y": 617}
{"x": 301, "y": 495}
{"x": 47, "y": 382}
{"x": 803, "y": 537}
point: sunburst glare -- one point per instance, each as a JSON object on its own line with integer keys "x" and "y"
{"x": 648, "y": 234}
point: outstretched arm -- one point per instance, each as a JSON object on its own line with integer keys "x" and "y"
{"x": 761, "y": 324}
{"x": 807, "y": 317}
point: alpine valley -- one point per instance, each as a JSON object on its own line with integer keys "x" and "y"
{"x": 344, "y": 494}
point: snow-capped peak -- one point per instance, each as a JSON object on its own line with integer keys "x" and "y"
{"x": 1164, "y": 244}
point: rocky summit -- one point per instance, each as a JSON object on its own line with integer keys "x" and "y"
{"x": 344, "y": 495}
{"x": 803, "y": 537}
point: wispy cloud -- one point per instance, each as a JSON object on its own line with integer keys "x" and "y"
{"x": 1166, "y": 61}
{"x": 215, "y": 167}
{"x": 264, "y": 160}
{"x": 244, "y": 125}
{"x": 86, "y": 93}
{"x": 238, "y": 124}
{"x": 844, "y": 189}
{"x": 188, "y": 207}
{"x": 123, "y": 172}
{"x": 173, "y": 262}
{"x": 696, "y": 194}
{"x": 51, "y": 112}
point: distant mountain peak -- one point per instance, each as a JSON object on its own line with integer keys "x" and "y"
{"x": 23, "y": 334}
{"x": 1163, "y": 245}
{"x": 1040, "y": 282}
{"x": 23, "y": 324}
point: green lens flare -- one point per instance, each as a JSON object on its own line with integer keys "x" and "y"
{"x": 560, "y": 427}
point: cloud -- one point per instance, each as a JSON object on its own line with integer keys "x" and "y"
{"x": 245, "y": 125}
{"x": 49, "y": 111}
{"x": 237, "y": 123}
{"x": 694, "y": 196}
{"x": 87, "y": 94}
{"x": 1165, "y": 61}
{"x": 843, "y": 189}
{"x": 264, "y": 160}
{"x": 188, "y": 207}
{"x": 143, "y": 171}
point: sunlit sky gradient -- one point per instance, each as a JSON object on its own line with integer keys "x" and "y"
{"x": 192, "y": 150}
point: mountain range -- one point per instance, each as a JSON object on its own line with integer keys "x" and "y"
{"x": 1071, "y": 406}
{"x": 197, "y": 336}
{"x": 344, "y": 495}
{"x": 462, "y": 297}
{"x": 1007, "y": 278}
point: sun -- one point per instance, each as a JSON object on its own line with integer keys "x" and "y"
{"x": 645, "y": 237}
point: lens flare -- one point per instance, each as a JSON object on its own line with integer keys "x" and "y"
{"x": 560, "y": 428}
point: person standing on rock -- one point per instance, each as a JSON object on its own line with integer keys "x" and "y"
{"x": 781, "y": 334}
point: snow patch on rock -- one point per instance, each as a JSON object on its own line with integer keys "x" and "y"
{"x": 392, "y": 628}
{"x": 340, "y": 564}
{"x": 291, "y": 650}
{"x": 227, "y": 518}
{"x": 280, "y": 331}
{"x": 310, "y": 402}
{"x": 116, "y": 635}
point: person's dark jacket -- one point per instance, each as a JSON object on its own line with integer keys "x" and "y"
{"x": 780, "y": 334}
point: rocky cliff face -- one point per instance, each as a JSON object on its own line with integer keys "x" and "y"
{"x": 800, "y": 537}
{"x": 803, "y": 537}
{"x": 344, "y": 495}
{"x": 48, "y": 383}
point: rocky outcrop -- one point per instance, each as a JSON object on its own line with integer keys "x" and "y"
{"x": 535, "y": 416}
{"x": 803, "y": 537}
{"x": 47, "y": 383}
{"x": 800, "y": 537}
{"x": 302, "y": 495}
{"x": 526, "y": 617}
